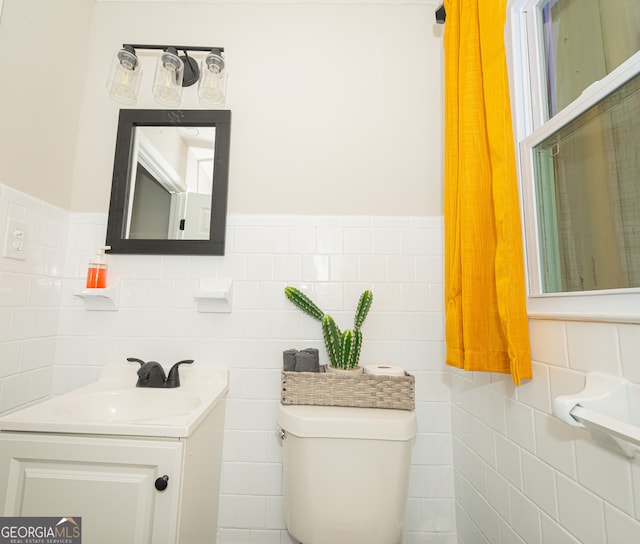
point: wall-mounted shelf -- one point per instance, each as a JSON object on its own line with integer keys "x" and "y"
{"x": 609, "y": 407}
{"x": 106, "y": 300}
{"x": 215, "y": 295}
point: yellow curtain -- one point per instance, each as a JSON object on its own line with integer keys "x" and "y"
{"x": 485, "y": 297}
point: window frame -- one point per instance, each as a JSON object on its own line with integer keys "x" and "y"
{"x": 526, "y": 67}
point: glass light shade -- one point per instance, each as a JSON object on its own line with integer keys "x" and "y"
{"x": 212, "y": 86}
{"x": 124, "y": 78}
{"x": 167, "y": 83}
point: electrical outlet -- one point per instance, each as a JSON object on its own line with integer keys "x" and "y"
{"x": 16, "y": 240}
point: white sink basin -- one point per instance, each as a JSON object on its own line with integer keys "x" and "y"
{"x": 127, "y": 405}
{"x": 115, "y": 406}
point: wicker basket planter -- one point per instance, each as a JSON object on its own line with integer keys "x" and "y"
{"x": 356, "y": 390}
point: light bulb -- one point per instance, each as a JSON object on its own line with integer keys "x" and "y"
{"x": 213, "y": 79}
{"x": 167, "y": 85}
{"x": 124, "y": 78}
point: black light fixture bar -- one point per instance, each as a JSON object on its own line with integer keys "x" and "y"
{"x": 178, "y": 47}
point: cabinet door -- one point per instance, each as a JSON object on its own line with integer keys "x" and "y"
{"x": 108, "y": 482}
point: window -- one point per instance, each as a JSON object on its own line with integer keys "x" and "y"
{"x": 575, "y": 71}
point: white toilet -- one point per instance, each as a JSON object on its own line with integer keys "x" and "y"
{"x": 346, "y": 473}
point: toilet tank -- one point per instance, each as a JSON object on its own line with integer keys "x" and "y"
{"x": 346, "y": 473}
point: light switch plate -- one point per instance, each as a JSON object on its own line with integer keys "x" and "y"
{"x": 16, "y": 240}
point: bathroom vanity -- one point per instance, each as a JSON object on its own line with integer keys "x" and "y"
{"x": 137, "y": 465}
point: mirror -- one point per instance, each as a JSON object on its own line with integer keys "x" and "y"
{"x": 170, "y": 182}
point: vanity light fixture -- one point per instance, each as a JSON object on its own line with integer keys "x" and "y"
{"x": 173, "y": 72}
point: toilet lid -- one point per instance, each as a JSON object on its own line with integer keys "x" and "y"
{"x": 343, "y": 422}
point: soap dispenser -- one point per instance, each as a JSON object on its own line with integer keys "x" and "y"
{"x": 97, "y": 271}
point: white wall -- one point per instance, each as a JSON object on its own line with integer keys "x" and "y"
{"x": 43, "y": 55}
{"x": 336, "y": 107}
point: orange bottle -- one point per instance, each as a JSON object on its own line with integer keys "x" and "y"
{"x": 97, "y": 271}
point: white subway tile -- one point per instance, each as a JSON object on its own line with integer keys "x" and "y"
{"x": 593, "y": 347}
{"x": 274, "y": 240}
{"x": 275, "y": 513}
{"x": 432, "y": 449}
{"x": 508, "y": 462}
{"x": 302, "y": 240}
{"x": 498, "y": 493}
{"x": 536, "y": 392}
{"x": 430, "y": 325}
{"x": 315, "y": 268}
{"x": 620, "y": 527}
{"x": 401, "y": 268}
{"x": 552, "y": 532}
{"x": 9, "y": 357}
{"x": 230, "y": 267}
{"x": 431, "y": 481}
{"x": 525, "y": 517}
{"x": 387, "y": 297}
{"x": 146, "y": 267}
{"x": 5, "y": 324}
{"x": 548, "y": 342}
{"x": 429, "y": 269}
{"x": 580, "y": 512}
{"x": 420, "y": 241}
{"x": 358, "y": 241}
{"x": 266, "y": 479}
{"x": 613, "y": 484}
{"x": 629, "y": 349}
{"x": 539, "y": 484}
{"x": 415, "y": 297}
{"x": 401, "y": 326}
{"x": 259, "y": 267}
{"x": 235, "y": 479}
{"x": 246, "y": 240}
{"x": 231, "y": 536}
{"x": 14, "y": 391}
{"x": 15, "y": 290}
{"x": 470, "y": 465}
{"x": 23, "y": 323}
{"x": 433, "y": 416}
{"x": 508, "y": 535}
{"x": 287, "y": 268}
{"x": 468, "y": 532}
{"x": 373, "y": 268}
{"x": 265, "y": 537}
{"x": 244, "y": 445}
{"x": 329, "y": 240}
{"x": 387, "y": 241}
{"x": 519, "y": 419}
{"x": 437, "y": 515}
{"x": 555, "y": 443}
{"x": 343, "y": 268}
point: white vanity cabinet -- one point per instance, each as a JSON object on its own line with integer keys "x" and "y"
{"x": 110, "y": 482}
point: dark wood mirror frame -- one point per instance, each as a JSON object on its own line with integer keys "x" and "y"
{"x": 120, "y": 187}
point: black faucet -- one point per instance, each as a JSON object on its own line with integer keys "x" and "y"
{"x": 151, "y": 374}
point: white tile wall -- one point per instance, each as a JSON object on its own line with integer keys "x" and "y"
{"x": 548, "y": 483}
{"x": 520, "y": 476}
{"x": 30, "y": 297}
{"x": 43, "y": 326}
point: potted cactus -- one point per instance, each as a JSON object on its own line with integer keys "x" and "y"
{"x": 343, "y": 347}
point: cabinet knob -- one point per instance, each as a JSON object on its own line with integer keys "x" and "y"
{"x": 162, "y": 483}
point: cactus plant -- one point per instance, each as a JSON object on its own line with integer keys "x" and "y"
{"x": 344, "y": 347}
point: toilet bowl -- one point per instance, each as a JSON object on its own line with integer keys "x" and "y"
{"x": 346, "y": 473}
